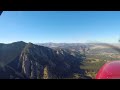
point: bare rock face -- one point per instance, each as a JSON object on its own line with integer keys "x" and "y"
{"x": 34, "y": 70}
{"x": 26, "y": 66}
{"x": 35, "y": 62}
{"x": 30, "y": 68}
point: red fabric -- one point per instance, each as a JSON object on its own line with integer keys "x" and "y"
{"x": 110, "y": 70}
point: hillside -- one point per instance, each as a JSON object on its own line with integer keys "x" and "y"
{"x": 94, "y": 55}
{"x": 20, "y": 60}
{"x": 30, "y": 61}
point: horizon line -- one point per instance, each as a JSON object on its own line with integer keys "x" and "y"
{"x": 59, "y": 42}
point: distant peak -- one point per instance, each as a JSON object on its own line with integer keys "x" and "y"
{"x": 30, "y": 44}
{"x": 19, "y": 42}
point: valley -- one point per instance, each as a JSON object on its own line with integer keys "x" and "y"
{"x": 95, "y": 55}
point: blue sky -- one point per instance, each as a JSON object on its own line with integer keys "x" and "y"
{"x": 60, "y": 26}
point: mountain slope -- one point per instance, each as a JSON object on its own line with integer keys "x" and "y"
{"x": 29, "y": 61}
{"x": 9, "y": 52}
{"x": 35, "y": 59}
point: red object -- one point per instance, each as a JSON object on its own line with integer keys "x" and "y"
{"x": 110, "y": 70}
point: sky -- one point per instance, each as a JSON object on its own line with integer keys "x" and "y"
{"x": 60, "y": 26}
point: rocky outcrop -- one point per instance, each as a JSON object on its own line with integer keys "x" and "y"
{"x": 26, "y": 66}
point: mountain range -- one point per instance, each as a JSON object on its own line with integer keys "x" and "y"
{"x": 20, "y": 60}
